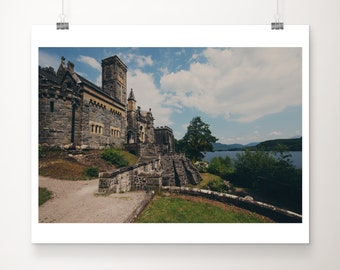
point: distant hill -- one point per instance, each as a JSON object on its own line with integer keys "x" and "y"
{"x": 291, "y": 144}
{"x": 252, "y": 144}
{"x": 231, "y": 147}
{"x": 294, "y": 144}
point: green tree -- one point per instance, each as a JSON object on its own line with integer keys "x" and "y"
{"x": 221, "y": 166}
{"x": 272, "y": 176}
{"x": 251, "y": 166}
{"x": 197, "y": 139}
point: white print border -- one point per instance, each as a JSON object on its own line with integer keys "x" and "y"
{"x": 169, "y": 36}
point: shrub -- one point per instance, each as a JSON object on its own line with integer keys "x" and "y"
{"x": 272, "y": 176}
{"x": 221, "y": 166}
{"x": 215, "y": 183}
{"x": 114, "y": 157}
{"x": 40, "y": 149}
{"x": 92, "y": 171}
{"x": 44, "y": 195}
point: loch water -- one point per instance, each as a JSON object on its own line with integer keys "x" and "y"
{"x": 296, "y": 156}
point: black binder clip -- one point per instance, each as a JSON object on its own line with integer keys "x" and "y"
{"x": 277, "y": 25}
{"x": 62, "y": 25}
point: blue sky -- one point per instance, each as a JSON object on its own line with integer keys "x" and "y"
{"x": 244, "y": 94}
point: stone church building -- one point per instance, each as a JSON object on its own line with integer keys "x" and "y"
{"x": 74, "y": 113}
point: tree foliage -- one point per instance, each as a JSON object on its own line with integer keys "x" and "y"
{"x": 270, "y": 174}
{"x": 250, "y": 165}
{"x": 197, "y": 139}
{"x": 221, "y": 166}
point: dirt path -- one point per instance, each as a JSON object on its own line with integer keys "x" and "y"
{"x": 78, "y": 202}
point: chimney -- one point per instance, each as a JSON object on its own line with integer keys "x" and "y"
{"x": 70, "y": 67}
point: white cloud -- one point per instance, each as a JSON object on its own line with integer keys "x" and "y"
{"x": 92, "y": 62}
{"x": 49, "y": 60}
{"x": 242, "y": 84}
{"x": 99, "y": 80}
{"x": 164, "y": 70}
{"x": 185, "y": 126}
{"x": 148, "y": 96}
{"x": 275, "y": 133}
{"x": 138, "y": 60}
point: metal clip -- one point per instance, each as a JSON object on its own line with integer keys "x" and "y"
{"x": 62, "y": 25}
{"x": 277, "y": 25}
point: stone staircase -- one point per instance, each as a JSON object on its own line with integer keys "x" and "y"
{"x": 178, "y": 171}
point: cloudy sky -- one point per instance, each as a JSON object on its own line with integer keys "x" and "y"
{"x": 244, "y": 94}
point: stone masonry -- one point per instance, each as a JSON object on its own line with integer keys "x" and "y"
{"x": 169, "y": 170}
{"x": 76, "y": 113}
{"x": 178, "y": 171}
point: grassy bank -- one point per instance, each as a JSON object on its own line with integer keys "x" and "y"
{"x": 60, "y": 164}
{"x": 187, "y": 209}
{"x": 44, "y": 195}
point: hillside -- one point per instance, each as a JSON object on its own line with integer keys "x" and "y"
{"x": 291, "y": 145}
{"x": 226, "y": 147}
{"x": 232, "y": 147}
{"x": 60, "y": 164}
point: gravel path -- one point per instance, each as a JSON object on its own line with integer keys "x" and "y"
{"x": 78, "y": 202}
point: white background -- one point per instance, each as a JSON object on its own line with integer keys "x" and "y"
{"x": 16, "y": 250}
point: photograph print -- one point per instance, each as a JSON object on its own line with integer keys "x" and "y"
{"x": 170, "y": 135}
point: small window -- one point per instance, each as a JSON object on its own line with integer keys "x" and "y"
{"x": 51, "y": 106}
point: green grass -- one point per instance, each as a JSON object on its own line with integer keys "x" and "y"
{"x": 206, "y": 179}
{"x": 186, "y": 209}
{"x": 130, "y": 158}
{"x": 56, "y": 163}
{"x": 44, "y": 195}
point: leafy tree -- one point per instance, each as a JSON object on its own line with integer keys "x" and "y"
{"x": 221, "y": 166}
{"x": 197, "y": 139}
{"x": 271, "y": 175}
{"x": 251, "y": 166}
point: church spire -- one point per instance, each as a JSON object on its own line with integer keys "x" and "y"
{"x": 132, "y": 102}
{"x": 132, "y": 95}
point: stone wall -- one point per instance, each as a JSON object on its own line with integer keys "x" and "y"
{"x": 55, "y": 117}
{"x": 142, "y": 176}
{"x": 111, "y": 127}
{"x": 165, "y": 139}
{"x": 275, "y": 213}
{"x": 170, "y": 170}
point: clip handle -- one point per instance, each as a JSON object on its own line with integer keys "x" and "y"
{"x": 277, "y": 25}
{"x": 62, "y": 25}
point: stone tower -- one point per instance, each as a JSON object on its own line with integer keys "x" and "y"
{"x": 132, "y": 133}
{"x": 114, "y": 78}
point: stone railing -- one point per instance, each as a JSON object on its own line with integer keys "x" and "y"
{"x": 141, "y": 176}
{"x": 275, "y": 213}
